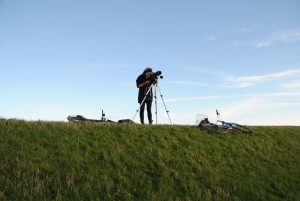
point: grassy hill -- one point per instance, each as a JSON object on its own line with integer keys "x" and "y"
{"x": 90, "y": 161}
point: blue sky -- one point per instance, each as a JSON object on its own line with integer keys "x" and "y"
{"x": 60, "y": 58}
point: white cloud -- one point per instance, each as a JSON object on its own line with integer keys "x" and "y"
{"x": 258, "y": 95}
{"x": 280, "y": 37}
{"x": 244, "y": 81}
{"x": 277, "y": 94}
{"x": 207, "y": 70}
{"x": 226, "y": 33}
{"x": 211, "y": 38}
{"x": 260, "y": 111}
{"x": 244, "y": 107}
{"x": 291, "y": 85}
{"x": 250, "y": 111}
{"x": 236, "y": 43}
{"x": 247, "y": 81}
{"x": 189, "y": 98}
{"x": 243, "y": 30}
{"x": 188, "y": 83}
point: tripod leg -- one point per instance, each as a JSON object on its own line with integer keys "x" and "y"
{"x": 165, "y": 105}
{"x": 142, "y": 102}
{"x": 155, "y": 103}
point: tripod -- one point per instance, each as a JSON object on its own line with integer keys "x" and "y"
{"x": 150, "y": 88}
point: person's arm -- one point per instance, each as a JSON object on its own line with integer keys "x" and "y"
{"x": 143, "y": 84}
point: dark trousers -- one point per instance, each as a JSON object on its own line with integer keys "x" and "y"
{"x": 142, "y": 109}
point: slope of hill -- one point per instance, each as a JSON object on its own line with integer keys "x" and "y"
{"x": 90, "y": 161}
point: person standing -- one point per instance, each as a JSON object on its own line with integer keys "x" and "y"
{"x": 144, "y": 82}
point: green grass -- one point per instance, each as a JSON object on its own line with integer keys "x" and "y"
{"x": 90, "y": 161}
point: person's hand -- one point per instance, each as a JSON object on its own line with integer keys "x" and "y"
{"x": 147, "y": 82}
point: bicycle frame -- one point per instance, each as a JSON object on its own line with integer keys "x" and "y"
{"x": 231, "y": 125}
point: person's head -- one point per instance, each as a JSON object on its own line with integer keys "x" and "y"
{"x": 148, "y": 71}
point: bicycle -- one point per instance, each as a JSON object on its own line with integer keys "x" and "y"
{"x": 80, "y": 118}
{"x": 203, "y": 122}
{"x": 233, "y": 125}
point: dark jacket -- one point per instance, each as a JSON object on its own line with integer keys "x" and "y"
{"x": 143, "y": 90}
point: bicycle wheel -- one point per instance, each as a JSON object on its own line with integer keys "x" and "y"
{"x": 241, "y": 128}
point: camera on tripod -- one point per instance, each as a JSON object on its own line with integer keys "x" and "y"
{"x": 156, "y": 75}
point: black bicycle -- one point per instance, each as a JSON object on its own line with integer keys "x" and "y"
{"x": 80, "y": 118}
